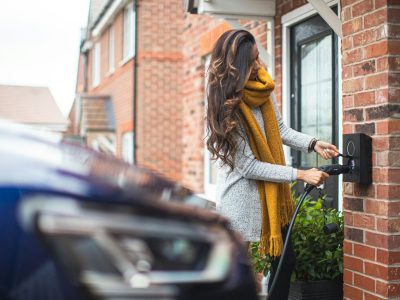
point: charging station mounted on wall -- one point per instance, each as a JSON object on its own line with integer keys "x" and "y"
{"x": 359, "y": 147}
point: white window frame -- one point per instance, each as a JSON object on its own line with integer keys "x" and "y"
{"x": 111, "y": 50}
{"x": 288, "y": 20}
{"x": 128, "y": 33}
{"x": 210, "y": 189}
{"x": 128, "y": 147}
{"x": 96, "y": 64}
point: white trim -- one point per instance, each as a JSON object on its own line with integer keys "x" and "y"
{"x": 271, "y": 46}
{"x": 288, "y": 20}
{"x": 328, "y": 15}
{"x": 210, "y": 190}
{"x": 87, "y": 45}
{"x": 110, "y": 146}
{"x": 107, "y": 18}
{"x": 96, "y": 64}
{"x": 111, "y": 50}
{"x": 285, "y": 84}
{"x": 124, "y": 61}
{"x": 302, "y": 13}
{"x": 340, "y": 115}
{"x": 236, "y": 9}
{"x": 128, "y": 147}
{"x": 128, "y": 45}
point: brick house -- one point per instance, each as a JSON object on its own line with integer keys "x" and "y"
{"x": 328, "y": 83}
{"x": 103, "y": 107}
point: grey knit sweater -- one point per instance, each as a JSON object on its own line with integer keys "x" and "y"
{"x": 237, "y": 194}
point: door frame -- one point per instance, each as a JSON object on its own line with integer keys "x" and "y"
{"x": 296, "y": 16}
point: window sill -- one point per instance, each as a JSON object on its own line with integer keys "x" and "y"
{"x": 125, "y": 60}
{"x": 208, "y": 197}
{"x": 110, "y": 72}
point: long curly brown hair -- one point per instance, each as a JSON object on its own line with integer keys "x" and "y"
{"x": 229, "y": 70}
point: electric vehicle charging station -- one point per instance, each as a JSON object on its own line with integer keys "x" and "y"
{"x": 357, "y": 167}
{"x": 359, "y": 147}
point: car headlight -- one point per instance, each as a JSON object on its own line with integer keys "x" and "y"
{"x": 116, "y": 249}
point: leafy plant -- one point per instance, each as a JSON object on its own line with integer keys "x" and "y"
{"x": 318, "y": 256}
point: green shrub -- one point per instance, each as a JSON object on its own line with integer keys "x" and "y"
{"x": 318, "y": 256}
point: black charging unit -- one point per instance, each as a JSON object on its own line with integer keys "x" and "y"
{"x": 359, "y": 147}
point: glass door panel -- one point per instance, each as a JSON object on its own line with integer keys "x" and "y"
{"x": 316, "y": 93}
{"x": 313, "y": 90}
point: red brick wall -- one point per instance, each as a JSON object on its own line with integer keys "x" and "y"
{"x": 160, "y": 77}
{"x": 79, "y": 87}
{"x": 119, "y": 84}
{"x": 80, "y": 80}
{"x": 371, "y": 92}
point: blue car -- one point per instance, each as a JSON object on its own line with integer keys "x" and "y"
{"x": 76, "y": 224}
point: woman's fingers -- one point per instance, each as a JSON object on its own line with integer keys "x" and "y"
{"x": 322, "y": 177}
{"x": 325, "y": 154}
{"x": 334, "y": 148}
{"x": 326, "y": 150}
{"x": 316, "y": 177}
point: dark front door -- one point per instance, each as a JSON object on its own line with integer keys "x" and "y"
{"x": 314, "y": 92}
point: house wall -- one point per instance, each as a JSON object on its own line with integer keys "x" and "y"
{"x": 119, "y": 84}
{"x": 79, "y": 88}
{"x": 73, "y": 126}
{"x": 371, "y": 93}
{"x": 160, "y": 81}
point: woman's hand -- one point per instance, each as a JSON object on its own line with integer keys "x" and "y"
{"x": 326, "y": 150}
{"x": 312, "y": 176}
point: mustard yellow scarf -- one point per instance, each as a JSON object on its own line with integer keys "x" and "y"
{"x": 276, "y": 200}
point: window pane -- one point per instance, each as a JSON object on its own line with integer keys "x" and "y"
{"x": 129, "y": 24}
{"x": 96, "y": 65}
{"x": 213, "y": 172}
{"x": 127, "y": 147}
{"x": 316, "y": 93}
{"x": 111, "y": 53}
{"x": 210, "y": 166}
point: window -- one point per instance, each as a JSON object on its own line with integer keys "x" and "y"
{"x": 210, "y": 167}
{"x": 129, "y": 29}
{"x": 127, "y": 147}
{"x": 96, "y": 65}
{"x": 111, "y": 50}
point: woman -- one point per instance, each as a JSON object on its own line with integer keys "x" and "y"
{"x": 245, "y": 134}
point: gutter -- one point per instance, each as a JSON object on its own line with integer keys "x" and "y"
{"x": 135, "y": 64}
